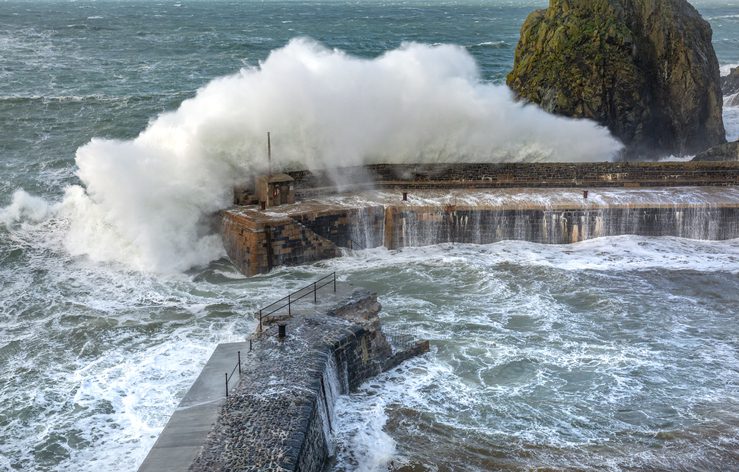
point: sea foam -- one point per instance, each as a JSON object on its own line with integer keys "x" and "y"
{"x": 147, "y": 202}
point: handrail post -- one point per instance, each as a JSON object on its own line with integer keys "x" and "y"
{"x": 315, "y": 291}
{"x": 226, "y": 384}
{"x": 238, "y": 354}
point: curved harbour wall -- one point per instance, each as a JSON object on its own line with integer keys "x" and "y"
{"x": 280, "y": 415}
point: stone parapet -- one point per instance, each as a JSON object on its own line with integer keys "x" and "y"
{"x": 527, "y": 175}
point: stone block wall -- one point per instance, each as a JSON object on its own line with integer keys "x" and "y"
{"x": 292, "y": 243}
{"x": 425, "y": 226}
{"x": 245, "y": 244}
{"x": 589, "y": 174}
{"x": 256, "y": 243}
{"x": 358, "y": 228}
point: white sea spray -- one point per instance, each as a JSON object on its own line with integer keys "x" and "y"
{"x": 146, "y": 202}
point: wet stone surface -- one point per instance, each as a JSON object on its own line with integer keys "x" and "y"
{"x": 275, "y": 419}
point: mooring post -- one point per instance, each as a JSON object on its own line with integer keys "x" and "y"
{"x": 226, "y": 384}
{"x": 405, "y": 196}
{"x": 282, "y": 330}
{"x": 238, "y": 354}
{"x": 585, "y": 194}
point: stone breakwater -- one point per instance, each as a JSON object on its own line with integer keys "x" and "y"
{"x": 280, "y": 417}
{"x": 309, "y": 184}
{"x": 458, "y": 215}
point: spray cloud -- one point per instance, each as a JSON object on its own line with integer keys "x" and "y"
{"x": 144, "y": 201}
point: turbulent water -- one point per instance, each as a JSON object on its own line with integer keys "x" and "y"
{"x": 619, "y": 352}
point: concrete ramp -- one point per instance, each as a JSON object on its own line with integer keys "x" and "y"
{"x": 186, "y": 431}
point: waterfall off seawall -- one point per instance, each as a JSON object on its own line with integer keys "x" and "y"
{"x": 311, "y": 230}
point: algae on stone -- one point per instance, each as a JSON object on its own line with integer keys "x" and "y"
{"x": 645, "y": 69}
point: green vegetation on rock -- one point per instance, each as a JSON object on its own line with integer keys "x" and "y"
{"x": 646, "y": 69}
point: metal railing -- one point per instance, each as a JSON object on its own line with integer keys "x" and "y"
{"x": 236, "y": 367}
{"x": 402, "y": 340}
{"x": 233, "y": 371}
{"x": 287, "y": 302}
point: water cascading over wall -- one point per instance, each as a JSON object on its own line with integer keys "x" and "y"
{"x": 425, "y": 226}
{"x": 483, "y": 204}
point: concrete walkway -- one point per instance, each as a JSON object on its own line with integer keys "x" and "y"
{"x": 185, "y": 432}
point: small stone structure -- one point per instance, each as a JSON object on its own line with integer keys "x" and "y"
{"x": 275, "y": 190}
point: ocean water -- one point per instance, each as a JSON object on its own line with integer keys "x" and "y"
{"x": 619, "y": 353}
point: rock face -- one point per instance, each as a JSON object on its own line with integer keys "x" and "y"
{"x": 730, "y": 83}
{"x": 646, "y": 69}
{"x": 723, "y": 152}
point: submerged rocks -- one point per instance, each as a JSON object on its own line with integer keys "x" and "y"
{"x": 730, "y": 83}
{"x": 723, "y": 152}
{"x": 646, "y": 69}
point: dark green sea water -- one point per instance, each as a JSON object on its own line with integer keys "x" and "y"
{"x": 620, "y": 353}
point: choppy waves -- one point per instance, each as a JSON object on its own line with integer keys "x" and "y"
{"x": 615, "y": 353}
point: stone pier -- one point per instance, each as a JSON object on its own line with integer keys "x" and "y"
{"x": 280, "y": 415}
{"x": 376, "y": 218}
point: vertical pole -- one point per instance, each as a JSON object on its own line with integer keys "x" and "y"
{"x": 260, "y": 321}
{"x": 269, "y": 153}
{"x": 289, "y": 303}
{"x": 250, "y": 345}
{"x": 226, "y": 384}
{"x": 334, "y": 282}
{"x": 315, "y": 296}
{"x": 238, "y": 354}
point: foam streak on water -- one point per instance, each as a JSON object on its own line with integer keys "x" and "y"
{"x": 618, "y": 353}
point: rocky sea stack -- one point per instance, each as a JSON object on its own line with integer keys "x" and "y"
{"x": 646, "y": 69}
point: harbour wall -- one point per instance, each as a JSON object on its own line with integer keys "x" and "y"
{"x": 280, "y": 416}
{"x": 550, "y": 216}
{"x": 309, "y": 184}
{"x": 424, "y": 226}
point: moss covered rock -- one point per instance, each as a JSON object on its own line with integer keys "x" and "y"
{"x": 730, "y": 83}
{"x": 728, "y": 152}
{"x": 646, "y": 69}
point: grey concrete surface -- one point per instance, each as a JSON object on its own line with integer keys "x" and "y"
{"x": 180, "y": 441}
